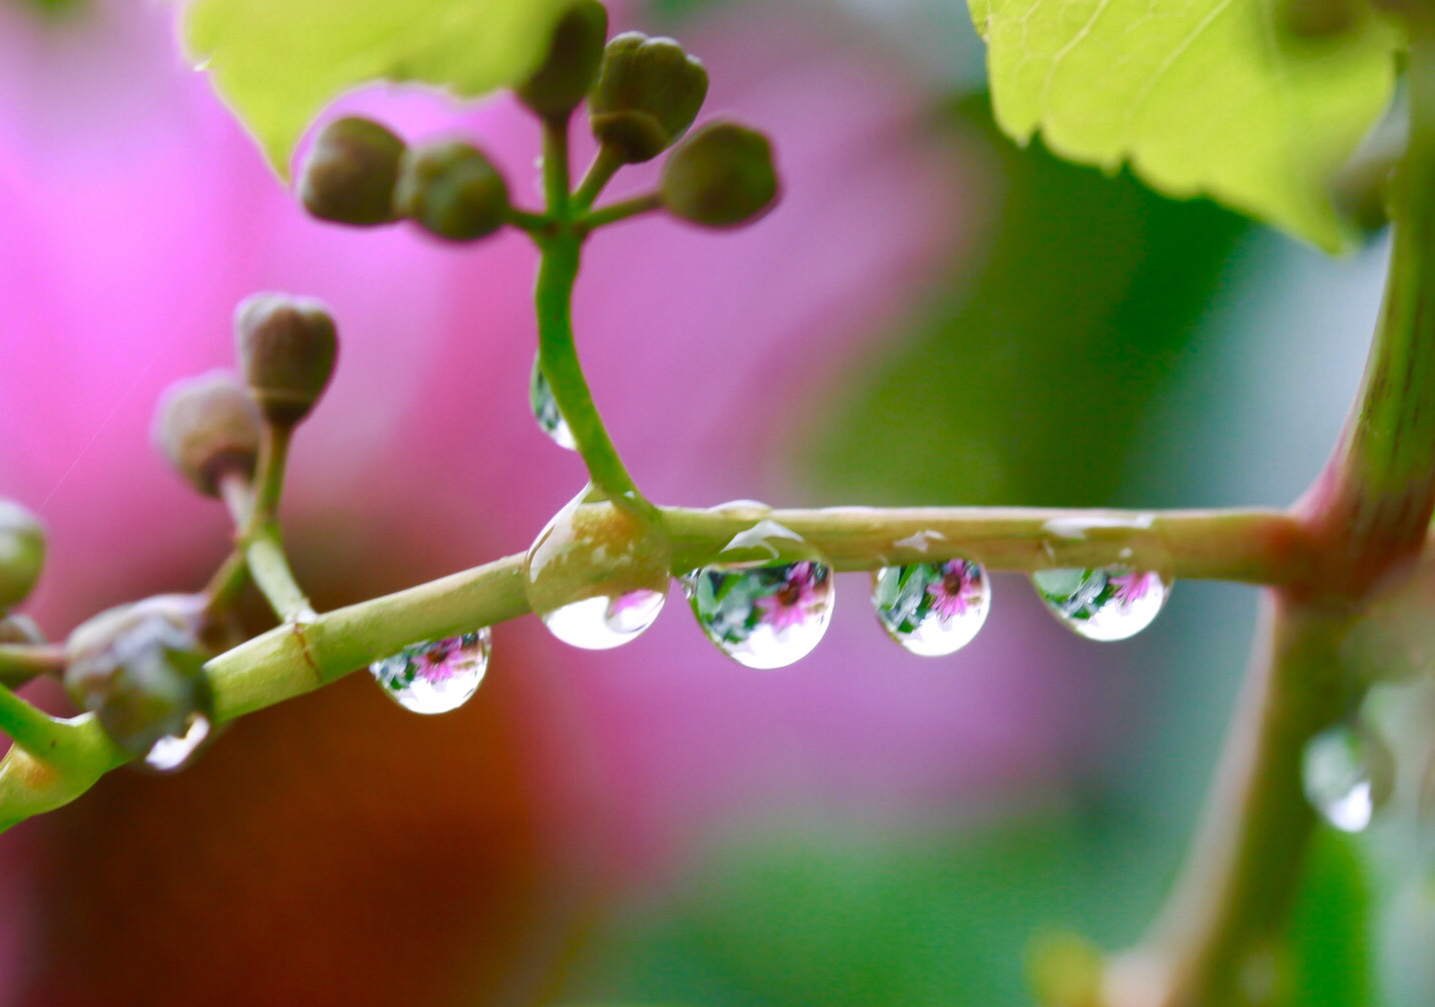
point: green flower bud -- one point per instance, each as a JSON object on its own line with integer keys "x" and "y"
{"x": 350, "y": 173}
{"x": 140, "y": 668}
{"x": 206, "y": 427}
{"x": 452, "y": 190}
{"x": 567, "y": 74}
{"x": 721, "y": 176}
{"x": 22, "y": 553}
{"x": 287, "y": 348}
{"x": 648, "y": 92}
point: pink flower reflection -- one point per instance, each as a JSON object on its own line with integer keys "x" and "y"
{"x": 958, "y": 590}
{"x": 1129, "y": 588}
{"x": 792, "y": 603}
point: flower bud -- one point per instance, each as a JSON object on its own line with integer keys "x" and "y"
{"x": 452, "y": 190}
{"x": 22, "y": 553}
{"x": 140, "y": 668}
{"x": 350, "y": 173}
{"x": 721, "y": 176}
{"x": 648, "y": 92}
{"x": 567, "y": 74}
{"x": 287, "y": 347}
{"x": 206, "y": 427}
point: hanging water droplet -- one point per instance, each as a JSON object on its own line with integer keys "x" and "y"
{"x": 173, "y": 752}
{"x": 597, "y": 576}
{"x": 545, "y": 410}
{"x": 771, "y": 604}
{"x": 435, "y": 677}
{"x": 932, "y": 609}
{"x": 1348, "y": 774}
{"x": 1107, "y": 603}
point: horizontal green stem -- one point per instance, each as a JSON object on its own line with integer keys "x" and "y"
{"x": 21, "y": 662}
{"x": 622, "y": 210}
{"x": 1253, "y": 546}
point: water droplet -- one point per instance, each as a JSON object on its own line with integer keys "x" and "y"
{"x": 438, "y": 676}
{"x": 932, "y": 609}
{"x": 1348, "y": 774}
{"x": 770, "y": 605}
{"x": 1107, "y": 603}
{"x": 597, "y": 575}
{"x": 545, "y": 410}
{"x": 173, "y": 752}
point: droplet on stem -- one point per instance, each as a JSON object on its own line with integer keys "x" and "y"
{"x": 932, "y": 609}
{"x": 1106, "y": 603}
{"x": 597, "y": 576}
{"x": 770, "y": 605}
{"x": 175, "y": 751}
{"x": 1348, "y": 774}
{"x": 545, "y": 410}
{"x": 436, "y": 676}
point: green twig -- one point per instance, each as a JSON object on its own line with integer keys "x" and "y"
{"x": 623, "y": 210}
{"x": 20, "y": 662}
{"x": 606, "y": 164}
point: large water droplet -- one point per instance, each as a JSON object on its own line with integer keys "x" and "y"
{"x": 771, "y": 604}
{"x": 597, "y": 575}
{"x": 173, "y": 752}
{"x": 436, "y": 677}
{"x": 1107, "y": 603}
{"x": 545, "y": 410}
{"x": 1348, "y": 774}
{"x": 932, "y": 609}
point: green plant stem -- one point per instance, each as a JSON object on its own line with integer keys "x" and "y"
{"x": 525, "y": 220}
{"x": 269, "y": 478}
{"x": 558, "y": 358}
{"x": 623, "y": 210}
{"x": 20, "y": 662}
{"x": 1375, "y": 499}
{"x": 260, "y": 539}
{"x": 269, "y": 566}
{"x": 606, "y": 164}
{"x": 30, "y": 728}
{"x": 556, "y": 170}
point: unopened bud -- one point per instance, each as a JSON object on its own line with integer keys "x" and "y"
{"x": 567, "y": 74}
{"x": 287, "y": 348}
{"x": 721, "y": 176}
{"x": 22, "y": 553}
{"x": 452, "y": 190}
{"x": 350, "y": 173}
{"x": 207, "y": 427}
{"x": 139, "y": 667}
{"x": 648, "y": 92}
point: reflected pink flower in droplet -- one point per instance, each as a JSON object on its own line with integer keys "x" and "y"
{"x": 1129, "y": 588}
{"x": 792, "y": 603}
{"x": 958, "y": 590}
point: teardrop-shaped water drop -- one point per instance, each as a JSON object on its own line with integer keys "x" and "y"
{"x": 1107, "y": 603}
{"x": 545, "y": 410}
{"x": 438, "y": 676}
{"x": 770, "y": 605}
{"x": 173, "y": 752}
{"x": 597, "y": 575}
{"x": 932, "y": 609}
{"x": 1348, "y": 774}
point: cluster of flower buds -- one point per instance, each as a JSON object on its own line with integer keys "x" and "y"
{"x": 643, "y": 95}
{"x": 360, "y": 173}
{"x": 210, "y": 427}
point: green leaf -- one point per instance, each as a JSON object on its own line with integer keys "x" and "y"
{"x": 276, "y": 63}
{"x": 1330, "y": 926}
{"x": 1204, "y": 97}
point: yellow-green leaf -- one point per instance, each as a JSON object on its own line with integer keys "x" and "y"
{"x": 278, "y": 62}
{"x": 1200, "y": 97}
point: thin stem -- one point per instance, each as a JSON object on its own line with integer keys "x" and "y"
{"x": 30, "y": 728}
{"x": 556, "y": 179}
{"x": 269, "y": 479}
{"x": 269, "y": 566}
{"x": 238, "y": 497}
{"x": 227, "y": 583}
{"x": 20, "y": 662}
{"x": 526, "y": 220}
{"x": 623, "y": 210}
{"x": 606, "y": 164}
{"x": 558, "y": 359}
